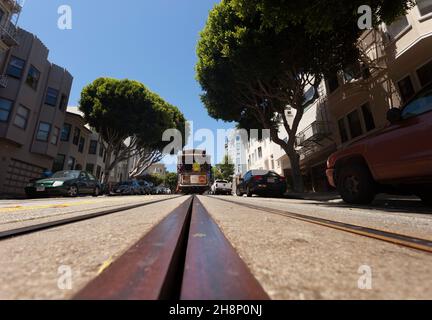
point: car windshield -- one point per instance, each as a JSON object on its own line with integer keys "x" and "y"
{"x": 420, "y": 105}
{"x": 126, "y": 183}
{"x": 66, "y": 174}
{"x": 221, "y": 181}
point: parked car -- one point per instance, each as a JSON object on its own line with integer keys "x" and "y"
{"x": 70, "y": 183}
{"x": 127, "y": 188}
{"x": 396, "y": 159}
{"x": 221, "y": 187}
{"x": 146, "y": 187}
{"x": 263, "y": 183}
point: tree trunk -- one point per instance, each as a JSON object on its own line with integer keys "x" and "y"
{"x": 297, "y": 177}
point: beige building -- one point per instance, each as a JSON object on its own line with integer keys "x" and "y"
{"x": 397, "y": 63}
{"x": 32, "y": 111}
{"x": 157, "y": 168}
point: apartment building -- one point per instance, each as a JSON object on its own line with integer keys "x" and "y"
{"x": 236, "y": 149}
{"x": 32, "y": 111}
{"x": 353, "y": 103}
{"x": 82, "y": 148}
{"x": 9, "y": 14}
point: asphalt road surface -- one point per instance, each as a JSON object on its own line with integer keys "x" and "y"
{"x": 292, "y": 259}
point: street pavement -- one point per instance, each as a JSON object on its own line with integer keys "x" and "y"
{"x": 33, "y": 266}
{"x": 292, "y": 259}
{"x": 299, "y": 260}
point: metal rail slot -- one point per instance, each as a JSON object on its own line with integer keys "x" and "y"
{"x": 213, "y": 269}
{"x": 4, "y": 235}
{"x": 151, "y": 269}
{"x": 185, "y": 257}
{"x": 394, "y": 238}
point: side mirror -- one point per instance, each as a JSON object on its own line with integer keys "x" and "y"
{"x": 394, "y": 115}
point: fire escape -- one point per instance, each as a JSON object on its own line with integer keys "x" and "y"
{"x": 313, "y": 137}
{"x": 9, "y": 30}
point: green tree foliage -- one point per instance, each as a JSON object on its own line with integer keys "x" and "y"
{"x": 130, "y": 119}
{"x": 257, "y": 58}
{"x": 171, "y": 180}
{"x": 224, "y": 170}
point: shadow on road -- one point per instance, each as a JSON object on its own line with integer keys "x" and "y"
{"x": 391, "y": 204}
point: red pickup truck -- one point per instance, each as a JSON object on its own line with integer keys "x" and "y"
{"x": 397, "y": 159}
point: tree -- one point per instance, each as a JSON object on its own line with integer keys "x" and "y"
{"x": 251, "y": 70}
{"x": 224, "y": 170}
{"x": 171, "y": 180}
{"x": 130, "y": 119}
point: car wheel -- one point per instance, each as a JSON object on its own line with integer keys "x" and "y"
{"x": 356, "y": 185}
{"x": 96, "y": 192}
{"x": 248, "y": 192}
{"x": 73, "y": 191}
{"x": 238, "y": 193}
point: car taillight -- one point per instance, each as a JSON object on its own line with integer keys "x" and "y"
{"x": 257, "y": 178}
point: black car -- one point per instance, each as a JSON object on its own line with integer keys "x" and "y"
{"x": 127, "y": 188}
{"x": 263, "y": 183}
{"x": 70, "y": 183}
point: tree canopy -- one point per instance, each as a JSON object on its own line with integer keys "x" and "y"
{"x": 224, "y": 170}
{"x": 258, "y": 57}
{"x": 130, "y": 119}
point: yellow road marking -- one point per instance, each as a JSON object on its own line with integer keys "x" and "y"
{"x": 105, "y": 265}
{"x": 46, "y": 206}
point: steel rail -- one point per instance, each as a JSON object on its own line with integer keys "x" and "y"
{"x": 387, "y": 236}
{"x": 213, "y": 269}
{"x": 184, "y": 257}
{"x": 7, "y": 234}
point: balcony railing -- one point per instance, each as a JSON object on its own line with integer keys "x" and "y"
{"x": 8, "y": 35}
{"x": 314, "y": 134}
{"x": 15, "y": 5}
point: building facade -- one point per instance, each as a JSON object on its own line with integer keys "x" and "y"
{"x": 9, "y": 14}
{"x": 396, "y": 64}
{"x": 32, "y": 111}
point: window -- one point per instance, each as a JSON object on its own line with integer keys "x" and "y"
{"x": 43, "y": 132}
{"x": 66, "y": 131}
{"x": 51, "y": 97}
{"x": 342, "y": 130}
{"x": 55, "y": 136}
{"x": 355, "y": 124}
{"x": 33, "y": 77}
{"x": 368, "y": 117}
{"x": 93, "y": 147}
{"x": 309, "y": 98}
{"x": 406, "y": 89}
{"x": 101, "y": 151}
{"x": 21, "y": 117}
{"x": 5, "y": 109}
{"x": 16, "y": 67}
{"x": 422, "y": 104}
{"x": 63, "y": 102}
{"x": 333, "y": 83}
{"x": 81, "y": 145}
{"x": 90, "y": 168}
{"x": 352, "y": 72}
{"x": 76, "y": 136}
{"x": 397, "y": 27}
{"x": 71, "y": 163}
{"x": 425, "y": 7}
{"x": 59, "y": 163}
{"x": 425, "y": 74}
{"x": 260, "y": 153}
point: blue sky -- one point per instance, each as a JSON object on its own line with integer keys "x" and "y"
{"x": 152, "y": 41}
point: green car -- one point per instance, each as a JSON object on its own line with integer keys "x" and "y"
{"x": 72, "y": 183}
